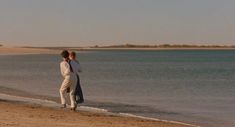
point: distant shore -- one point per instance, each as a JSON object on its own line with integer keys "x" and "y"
{"x": 154, "y": 49}
{"x": 20, "y": 50}
{"x": 57, "y": 50}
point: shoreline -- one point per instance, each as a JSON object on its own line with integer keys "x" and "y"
{"x": 51, "y": 106}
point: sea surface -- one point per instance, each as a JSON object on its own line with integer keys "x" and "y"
{"x": 192, "y": 86}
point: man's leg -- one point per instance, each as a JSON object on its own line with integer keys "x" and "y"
{"x": 63, "y": 89}
{"x": 72, "y": 98}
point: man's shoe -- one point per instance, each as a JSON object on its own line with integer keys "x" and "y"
{"x": 74, "y": 108}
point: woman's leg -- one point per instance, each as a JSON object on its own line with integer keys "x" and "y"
{"x": 78, "y": 91}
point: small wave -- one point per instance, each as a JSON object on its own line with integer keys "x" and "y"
{"x": 93, "y": 109}
{"x": 26, "y": 99}
{"x": 159, "y": 120}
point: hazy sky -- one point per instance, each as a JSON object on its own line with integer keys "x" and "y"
{"x": 106, "y": 22}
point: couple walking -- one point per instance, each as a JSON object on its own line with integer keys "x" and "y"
{"x": 70, "y": 68}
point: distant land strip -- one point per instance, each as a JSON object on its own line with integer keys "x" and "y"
{"x": 128, "y": 47}
{"x": 135, "y": 46}
{"x": 165, "y": 46}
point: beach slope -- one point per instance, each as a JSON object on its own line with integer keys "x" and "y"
{"x": 15, "y": 114}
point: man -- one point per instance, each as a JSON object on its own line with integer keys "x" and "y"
{"x": 77, "y": 69}
{"x": 68, "y": 82}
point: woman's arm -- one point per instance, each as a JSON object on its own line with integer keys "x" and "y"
{"x": 78, "y": 66}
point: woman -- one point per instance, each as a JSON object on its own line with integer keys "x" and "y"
{"x": 76, "y": 69}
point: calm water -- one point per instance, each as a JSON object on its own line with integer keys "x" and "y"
{"x": 190, "y": 86}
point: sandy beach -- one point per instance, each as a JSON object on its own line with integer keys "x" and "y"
{"x": 18, "y": 110}
{"x": 15, "y": 114}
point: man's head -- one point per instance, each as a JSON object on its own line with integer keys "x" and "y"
{"x": 65, "y": 54}
{"x": 72, "y": 55}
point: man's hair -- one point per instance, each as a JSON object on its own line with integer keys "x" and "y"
{"x": 73, "y": 54}
{"x": 65, "y": 54}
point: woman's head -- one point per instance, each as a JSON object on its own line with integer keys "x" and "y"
{"x": 72, "y": 55}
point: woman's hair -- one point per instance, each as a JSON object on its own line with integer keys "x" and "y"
{"x": 65, "y": 54}
{"x": 73, "y": 54}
